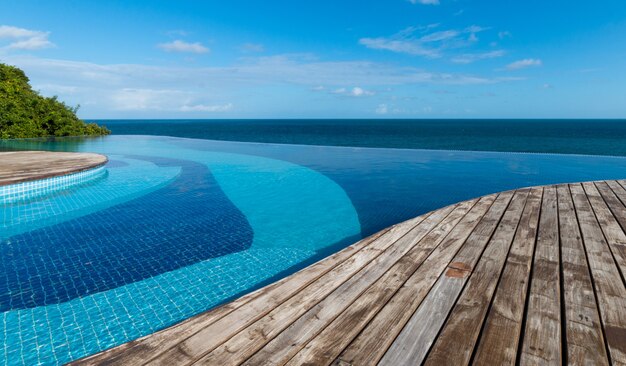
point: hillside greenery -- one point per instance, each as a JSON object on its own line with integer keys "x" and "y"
{"x": 24, "y": 113}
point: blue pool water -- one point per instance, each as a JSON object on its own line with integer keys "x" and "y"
{"x": 177, "y": 226}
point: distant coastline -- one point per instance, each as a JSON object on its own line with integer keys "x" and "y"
{"x": 566, "y": 136}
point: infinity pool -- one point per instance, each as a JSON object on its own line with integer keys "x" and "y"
{"x": 177, "y": 226}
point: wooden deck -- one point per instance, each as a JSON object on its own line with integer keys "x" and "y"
{"x": 22, "y": 166}
{"x": 533, "y": 276}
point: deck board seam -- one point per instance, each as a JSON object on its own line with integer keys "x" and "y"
{"x": 497, "y": 286}
{"x": 493, "y": 232}
{"x": 606, "y": 238}
{"x": 619, "y": 222}
{"x": 501, "y": 216}
{"x": 375, "y": 236}
{"x": 197, "y": 359}
{"x": 442, "y": 272}
{"x": 250, "y": 297}
{"x": 563, "y": 314}
{"x": 593, "y": 284}
{"x": 615, "y": 354}
{"x": 340, "y": 358}
{"x": 408, "y": 276}
{"x": 413, "y": 246}
{"x": 464, "y": 285}
{"x": 522, "y": 334}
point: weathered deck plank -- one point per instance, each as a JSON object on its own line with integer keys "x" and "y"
{"x": 244, "y": 344}
{"x": 372, "y": 342}
{"x": 420, "y": 331}
{"x": 613, "y": 222}
{"x": 504, "y": 321}
{"x": 358, "y": 314}
{"x": 464, "y": 323}
{"x": 243, "y": 335}
{"x": 607, "y": 280}
{"x": 139, "y": 351}
{"x": 583, "y": 332}
{"x": 542, "y": 339}
{"x": 533, "y": 276}
{"x": 22, "y": 166}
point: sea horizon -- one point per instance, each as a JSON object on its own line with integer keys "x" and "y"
{"x": 561, "y": 136}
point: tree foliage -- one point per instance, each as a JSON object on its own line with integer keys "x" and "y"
{"x": 24, "y": 113}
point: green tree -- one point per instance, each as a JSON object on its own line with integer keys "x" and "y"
{"x": 24, "y": 113}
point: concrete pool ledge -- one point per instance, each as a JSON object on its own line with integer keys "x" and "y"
{"x": 25, "y": 166}
{"x": 529, "y": 276}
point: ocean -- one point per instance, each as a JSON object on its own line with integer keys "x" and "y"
{"x": 593, "y": 137}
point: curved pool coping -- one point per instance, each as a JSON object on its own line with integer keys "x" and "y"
{"x": 26, "y": 166}
{"x": 532, "y": 275}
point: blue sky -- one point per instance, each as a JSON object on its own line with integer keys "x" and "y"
{"x": 323, "y": 59}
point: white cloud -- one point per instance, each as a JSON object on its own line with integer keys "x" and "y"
{"x": 24, "y": 39}
{"x": 207, "y": 108}
{"x": 34, "y": 43}
{"x": 163, "y": 100}
{"x": 182, "y": 46}
{"x": 472, "y": 30}
{"x": 522, "y": 64}
{"x": 7, "y": 31}
{"x": 439, "y": 36}
{"x": 425, "y": 44}
{"x": 129, "y": 99}
{"x": 251, "y": 47}
{"x": 473, "y": 57}
{"x": 354, "y": 92}
{"x": 382, "y": 109}
{"x": 425, "y": 2}
{"x": 400, "y": 46}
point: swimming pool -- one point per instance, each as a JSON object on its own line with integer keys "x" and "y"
{"x": 174, "y": 227}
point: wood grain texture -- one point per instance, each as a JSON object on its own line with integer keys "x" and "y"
{"x": 419, "y": 333}
{"x": 243, "y": 345}
{"x": 504, "y": 321}
{"x": 282, "y": 305}
{"x": 336, "y": 335}
{"x": 146, "y": 348}
{"x": 613, "y": 220}
{"x": 607, "y": 280}
{"x": 464, "y": 323}
{"x": 583, "y": 332}
{"x": 370, "y": 345}
{"x": 542, "y": 338}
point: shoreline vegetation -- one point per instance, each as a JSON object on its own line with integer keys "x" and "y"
{"x": 24, "y": 113}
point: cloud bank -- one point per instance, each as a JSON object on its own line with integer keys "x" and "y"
{"x": 182, "y": 46}
{"x": 525, "y": 63}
